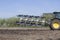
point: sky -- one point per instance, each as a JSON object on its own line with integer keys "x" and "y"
{"x": 10, "y": 8}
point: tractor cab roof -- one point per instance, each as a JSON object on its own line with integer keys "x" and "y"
{"x": 56, "y": 12}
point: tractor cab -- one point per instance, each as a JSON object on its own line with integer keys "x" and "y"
{"x": 57, "y": 15}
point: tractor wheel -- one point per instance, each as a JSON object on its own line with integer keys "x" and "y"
{"x": 55, "y": 24}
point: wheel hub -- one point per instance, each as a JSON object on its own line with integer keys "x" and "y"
{"x": 56, "y": 25}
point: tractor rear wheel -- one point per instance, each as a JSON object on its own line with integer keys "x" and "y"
{"x": 55, "y": 24}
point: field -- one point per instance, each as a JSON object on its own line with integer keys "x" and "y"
{"x": 29, "y": 34}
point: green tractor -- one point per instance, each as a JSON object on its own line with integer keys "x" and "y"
{"x": 55, "y": 22}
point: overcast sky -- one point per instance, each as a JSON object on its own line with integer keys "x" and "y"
{"x": 9, "y": 8}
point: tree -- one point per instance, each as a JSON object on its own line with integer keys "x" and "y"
{"x": 12, "y": 21}
{"x": 48, "y": 16}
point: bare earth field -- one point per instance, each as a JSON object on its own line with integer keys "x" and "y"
{"x": 29, "y": 34}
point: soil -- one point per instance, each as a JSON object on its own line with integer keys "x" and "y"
{"x": 29, "y": 34}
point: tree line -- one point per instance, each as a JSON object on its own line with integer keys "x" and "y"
{"x": 9, "y": 22}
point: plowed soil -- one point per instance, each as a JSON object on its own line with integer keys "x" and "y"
{"x": 29, "y": 34}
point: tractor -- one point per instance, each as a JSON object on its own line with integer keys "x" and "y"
{"x": 55, "y": 22}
